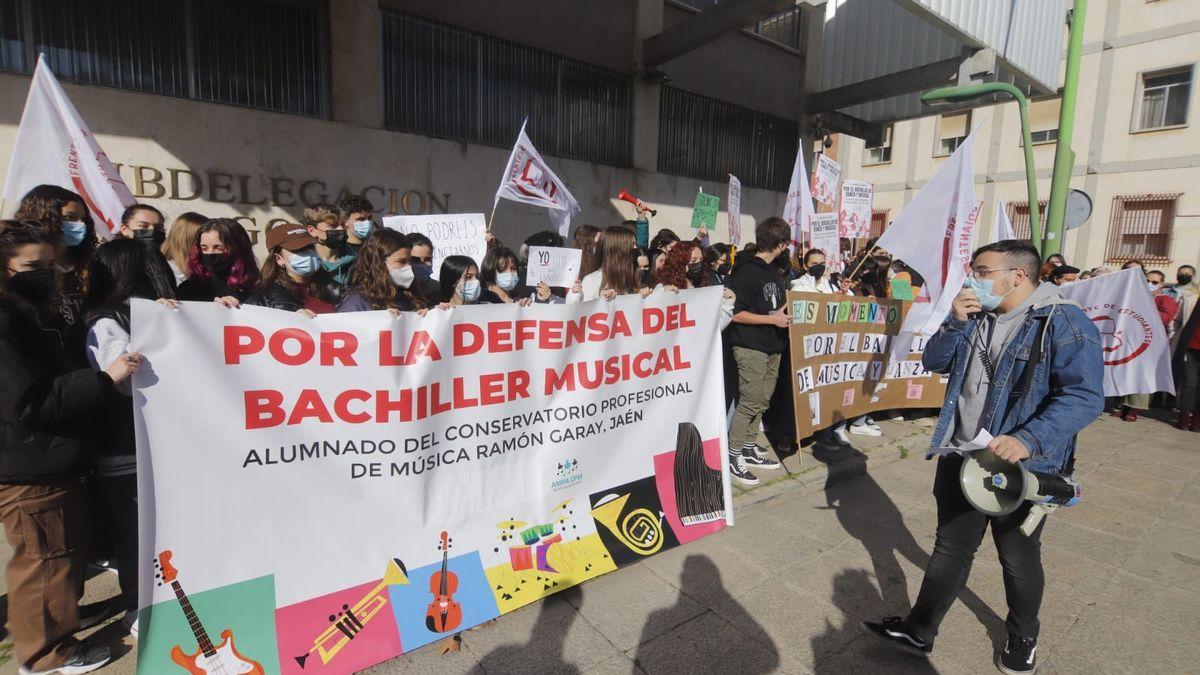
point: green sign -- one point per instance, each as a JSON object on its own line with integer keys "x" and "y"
{"x": 704, "y": 213}
{"x": 902, "y": 290}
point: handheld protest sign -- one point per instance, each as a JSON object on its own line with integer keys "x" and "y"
{"x": 554, "y": 265}
{"x": 451, "y": 234}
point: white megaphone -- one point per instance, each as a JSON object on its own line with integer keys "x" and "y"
{"x": 998, "y": 488}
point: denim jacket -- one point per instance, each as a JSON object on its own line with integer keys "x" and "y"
{"x": 1066, "y": 391}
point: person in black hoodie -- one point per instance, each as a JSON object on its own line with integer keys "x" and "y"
{"x": 221, "y": 266}
{"x": 120, "y": 269}
{"x": 46, "y": 406}
{"x": 759, "y": 336}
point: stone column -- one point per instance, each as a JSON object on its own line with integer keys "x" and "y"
{"x": 356, "y": 63}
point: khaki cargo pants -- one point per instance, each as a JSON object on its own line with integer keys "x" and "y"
{"x": 757, "y": 373}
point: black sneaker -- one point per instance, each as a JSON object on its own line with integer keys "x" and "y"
{"x": 737, "y": 468}
{"x": 95, "y": 613}
{"x": 1019, "y": 657}
{"x": 754, "y": 459}
{"x": 895, "y": 632}
{"x": 85, "y": 659}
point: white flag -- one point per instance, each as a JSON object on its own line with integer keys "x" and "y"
{"x": 527, "y": 179}
{"x": 735, "y": 210}
{"x": 934, "y": 235}
{"x": 1137, "y": 358}
{"x": 55, "y": 147}
{"x": 799, "y": 206}
{"x": 1003, "y": 229}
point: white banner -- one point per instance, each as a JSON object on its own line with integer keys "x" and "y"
{"x": 555, "y": 266}
{"x": 825, "y": 180}
{"x": 825, "y": 237}
{"x": 55, "y": 147}
{"x": 734, "y": 200}
{"x": 1137, "y": 357}
{"x": 529, "y": 180}
{"x": 798, "y": 208}
{"x": 854, "y": 212}
{"x": 1002, "y": 229}
{"x": 451, "y": 234}
{"x": 306, "y": 484}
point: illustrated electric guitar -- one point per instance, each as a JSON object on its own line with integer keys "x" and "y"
{"x": 444, "y": 614}
{"x": 223, "y": 659}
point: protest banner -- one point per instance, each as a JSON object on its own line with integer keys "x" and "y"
{"x": 451, "y": 234}
{"x": 54, "y": 146}
{"x": 704, "y": 211}
{"x": 841, "y": 367}
{"x": 825, "y": 237}
{"x": 798, "y": 209}
{"x": 854, "y": 212}
{"x": 325, "y": 494}
{"x": 735, "y": 211}
{"x": 553, "y": 265}
{"x": 529, "y": 180}
{"x": 825, "y": 179}
{"x": 1137, "y": 355}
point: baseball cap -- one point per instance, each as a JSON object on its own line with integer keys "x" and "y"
{"x": 291, "y": 236}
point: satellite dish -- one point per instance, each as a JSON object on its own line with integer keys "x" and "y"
{"x": 1078, "y": 210}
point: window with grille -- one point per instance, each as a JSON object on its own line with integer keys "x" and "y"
{"x": 1165, "y": 97}
{"x": 443, "y": 81}
{"x": 701, "y": 137}
{"x": 1018, "y": 215}
{"x": 879, "y": 222}
{"x": 952, "y": 130}
{"x": 258, "y": 53}
{"x": 1140, "y": 228}
{"x": 882, "y": 153}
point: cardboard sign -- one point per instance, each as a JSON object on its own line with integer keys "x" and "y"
{"x": 555, "y": 266}
{"x": 825, "y": 237}
{"x": 854, "y": 213}
{"x": 735, "y": 211}
{"x": 841, "y": 367}
{"x": 825, "y": 180}
{"x": 704, "y": 213}
{"x": 451, "y": 234}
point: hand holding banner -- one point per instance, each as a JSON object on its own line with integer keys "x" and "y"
{"x": 556, "y": 266}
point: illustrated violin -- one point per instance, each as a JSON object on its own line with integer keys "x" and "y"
{"x": 444, "y": 614}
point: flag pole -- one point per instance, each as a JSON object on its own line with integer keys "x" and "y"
{"x": 860, "y": 262}
{"x": 491, "y": 217}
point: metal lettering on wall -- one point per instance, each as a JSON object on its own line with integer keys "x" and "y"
{"x": 218, "y": 187}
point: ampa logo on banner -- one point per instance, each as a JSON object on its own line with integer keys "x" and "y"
{"x": 567, "y": 474}
{"x": 1125, "y": 333}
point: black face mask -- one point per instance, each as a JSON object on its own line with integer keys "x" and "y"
{"x": 335, "y": 238}
{"x": 151, "y": 237}
{"x": 219, "y": 264}
{"x": 33, "y": 285}
{"x": 644, "y": 279}
{"x": 723, "y": 269}
{"x": 694, "y": 269}
{"x": 816, "y": 271}
{"x": 1183, "y": 279}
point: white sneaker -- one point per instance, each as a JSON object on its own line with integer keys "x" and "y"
{"x": 841, "y": 435}
{"x": 85, "y": 659}
{"x": 866, "y": 430}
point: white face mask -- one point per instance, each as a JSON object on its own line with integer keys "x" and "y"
{"x": 402, "y": 276}
{"x": 507, "y": 280}
{"x": 1153, "y": 285}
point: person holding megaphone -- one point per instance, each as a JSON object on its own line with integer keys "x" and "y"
{"x": 1025, "y": 366}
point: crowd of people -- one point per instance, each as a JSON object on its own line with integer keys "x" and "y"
{"x": 68, "y": 488}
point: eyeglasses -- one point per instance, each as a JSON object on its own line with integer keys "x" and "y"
{"x": 983, "y": 272}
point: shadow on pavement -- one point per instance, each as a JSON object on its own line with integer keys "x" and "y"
{"x": 736, "y": 639}
{"x": 868, "y": 514}
{"x": 544, "y": 651}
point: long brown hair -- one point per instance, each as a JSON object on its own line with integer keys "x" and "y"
{"x": 17, "y": 233}
{"x": 618, "y": 269}
{"x": 177, "y": 247}
{"x": 584, "y": 239}
{"x": 44, "y": 203}
{"x": 371, "y": 278}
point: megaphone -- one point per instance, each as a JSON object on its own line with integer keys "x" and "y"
{"x": 998, "y": 488}
{"x": 626, "y": 197}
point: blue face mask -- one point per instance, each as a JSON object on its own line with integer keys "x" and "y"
{"x": 72, "y": 232}
{"x": 507, "y": 280}
{"x": 362, "y": 228}
{"x": 470, "y": 290}
{"x": 422, "y": 271}
{"x": 304, "y": 263}
{"x": 987, "y": 297}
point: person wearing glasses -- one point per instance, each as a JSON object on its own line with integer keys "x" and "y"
{"x": 1025, "y": 365}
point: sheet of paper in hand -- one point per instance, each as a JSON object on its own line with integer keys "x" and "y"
{"x": 553, "y": 265}
{"x": 451, "y": 234}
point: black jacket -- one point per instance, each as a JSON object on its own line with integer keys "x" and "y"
{"x": 206, "y": 289}
{"x": 760, "y": 290}
{"x": 113, "y": 421}
{"x": 45, "y": 403}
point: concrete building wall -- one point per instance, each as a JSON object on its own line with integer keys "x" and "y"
{"x": 1122, "y": 39}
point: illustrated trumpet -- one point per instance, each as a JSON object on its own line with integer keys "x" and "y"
{"x": 345, "y": 625}
{"x": 638, "y": 529}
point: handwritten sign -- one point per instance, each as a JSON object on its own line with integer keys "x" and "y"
{"x": 555, "y": 266}
{"x": 451, "y": 234}
{"x": 704, "y": 212}
{"x": 735, "y": 211}
{"x": 825, "y": 180}
{"x": 854, "y": 213}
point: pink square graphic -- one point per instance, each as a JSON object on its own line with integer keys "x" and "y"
{"x": 304, "y": 629}
{"x": 664, "y": 479}
{"x": 847, "y": 398}
{"x": 913, "y": 391}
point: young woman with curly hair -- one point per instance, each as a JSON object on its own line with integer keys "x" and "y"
{"x": 383, "y": 276}
{"x": 69, "y": 225}
{"x": 674, "y": 270}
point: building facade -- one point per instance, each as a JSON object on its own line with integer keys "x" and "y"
{"x": 1137, "y": 143}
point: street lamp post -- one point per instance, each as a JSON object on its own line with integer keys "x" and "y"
{"x": 969, "y": 91}
{"x": 1064, "y": 155}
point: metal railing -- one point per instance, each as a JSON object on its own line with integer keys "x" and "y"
{"x": 701, "y": 137}
{"x": 447, "y": 82}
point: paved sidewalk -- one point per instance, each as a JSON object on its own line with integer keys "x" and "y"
{"x": 816, "y": 552}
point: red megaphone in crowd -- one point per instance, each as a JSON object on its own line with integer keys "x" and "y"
{"x": 626, "y": 197}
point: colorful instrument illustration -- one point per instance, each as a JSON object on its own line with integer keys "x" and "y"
{"x": 347, "y": 623}
{"x": 444, "y": 614}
